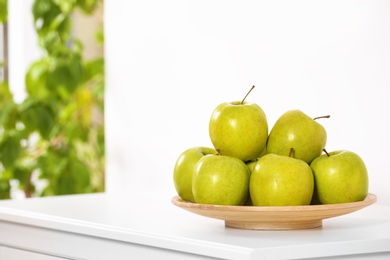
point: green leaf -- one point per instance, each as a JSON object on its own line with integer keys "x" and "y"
{"x": 44, "y": 11}
{"x": 3, "y": 11}
{"x": 88, "y": 6}
{"x": 94, "y": 68}
{"x": 5, "y": 93}
{"x": 36, "y": 78}
{"x": 5, "y": 189}
{"x": 9, "y": 151}
{"x": 66, "y": 6}
{"x": 52, "y": 165}
{"x": 22, "y": 175}
{"x": 51, "y": 23}
{"x": 101, "y": 142}
{"x": 74, "y": 128}
{"x": 37, "y": 115}
{"x": 27, "y": 163}
{"x": 65, "y": 184}
{"x": 75, "y": 178}
{"x": 81, "y": 176}
{"x": 65, "y": 72}
{"x": 29, "y": 119}
{"x": 45, "y": 121}
{"x": 7, "y": 174}
{"x": 8, "y": 115}
{"x": 57, "y": 21}
{"x": 95, "y": 76}
{"x": 75, "y": 67}
{"x": 41, "y": 7}
{"x": 99, "y": 36}
{"x": 8, "y": 108}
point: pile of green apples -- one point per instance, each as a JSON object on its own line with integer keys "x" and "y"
{"x": 250, "y": 166}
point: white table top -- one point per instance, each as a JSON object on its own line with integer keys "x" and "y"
{"x": 149, "y": 218}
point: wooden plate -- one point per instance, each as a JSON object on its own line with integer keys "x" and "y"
{"x": 274, "y": 218}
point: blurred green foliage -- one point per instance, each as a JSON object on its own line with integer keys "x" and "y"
{"x": 56, "y": 135}
{"x": 3, "y": 10}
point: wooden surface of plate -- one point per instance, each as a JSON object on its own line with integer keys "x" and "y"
{"x": 274, "y": 217}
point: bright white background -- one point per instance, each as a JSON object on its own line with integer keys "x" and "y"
{"x": 170, "y": 63}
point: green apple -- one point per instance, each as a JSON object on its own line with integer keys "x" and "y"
{"x": 239, "y": 129}
{"x": 221, "y": 180}
{"x": 184, "y": 169}
{"x": 296, "y": 129}
{"x": 251, "y": 165}
{"x": 340, "y": 177}
{"x": 278, "y": 180}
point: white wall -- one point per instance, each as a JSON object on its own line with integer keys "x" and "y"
{"x": 170, "y": 63}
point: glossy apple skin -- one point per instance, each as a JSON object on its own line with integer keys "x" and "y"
{"x": 221, "y": 180}
{"x": 278, "y": 180}
{"x": 184, "y": 169}
{"x": 341, "y": 177}
{"x": 239, "y": 130}
{"x": 294, "y": 129}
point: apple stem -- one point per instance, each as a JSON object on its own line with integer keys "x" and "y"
{"x": 325, "y": 152}
{"x": 291, "y": 152}
{"x": 327, "y": 116}
{"x": 218, "y": 152}
{"x": 243, "y": 100}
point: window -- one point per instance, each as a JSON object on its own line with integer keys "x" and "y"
{"x": 52, "y": 120}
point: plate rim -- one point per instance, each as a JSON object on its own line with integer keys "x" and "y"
{"x": 369, "y": 200}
